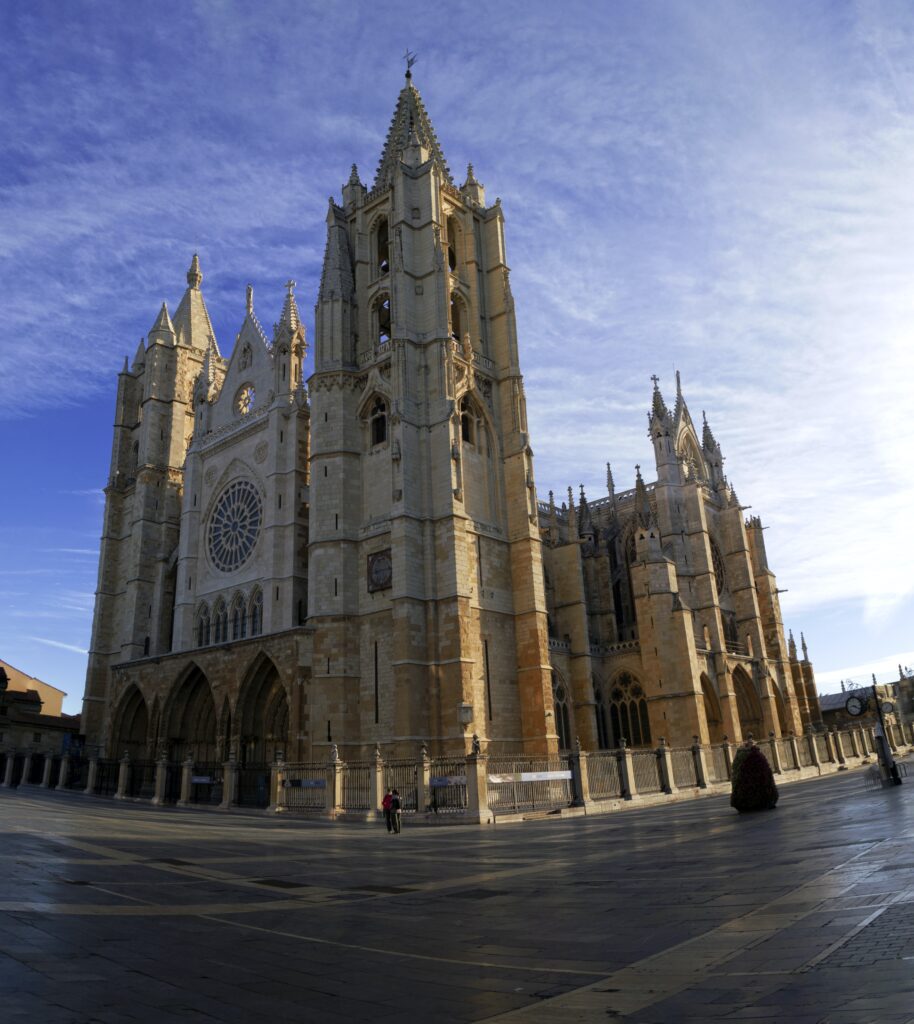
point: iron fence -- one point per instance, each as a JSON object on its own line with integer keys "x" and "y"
{"x": 646, "y": 769}
{"x": 206, "y": 782}
{"x": 604, "y": 776}
{"x": 304, "y": 787}
{"x": 804, "y": 751}
{"x": 717, "y": 764}
{"x": 252, "y": 785}
{"x": 685, "y": 773}
{"x": 107, "y": 771}
{"x": 77, "y": 773}
{"x": 401, "y": 776}
{"x": 447, "y": 786}
{"x": 356, "y": 794}
{"x": 173, "y": 774}
{"x": 141, "y": 780}
{"x": 529, "y": 784}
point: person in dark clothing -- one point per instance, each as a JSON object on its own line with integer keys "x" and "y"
{"x": 385, "y": 807}
{"x": 396, "y": 806}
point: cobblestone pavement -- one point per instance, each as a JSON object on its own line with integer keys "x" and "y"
{"x": 686, "y": 913}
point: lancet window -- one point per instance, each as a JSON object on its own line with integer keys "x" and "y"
{"x": 562, "y": 715}
{"x": 628, "y": 712}
{"x": 203, "y": 627}
{"x": 220, "y": 623}
{"x": 238, "y": 618}
{"x": 603, "y": 739}
{"x": 382, "y": 246}
{"x": 257, "y": 613}
{"x": 377, "y": 420}
{"x": 382, "y": 319}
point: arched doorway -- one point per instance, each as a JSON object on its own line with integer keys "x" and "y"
{"x": 191, "y": 725}
{"x": 713, "y": 716}
{"x": 747, "y": 705}
{"x": 130, "y": 734}
{"x": 261, "y": 730}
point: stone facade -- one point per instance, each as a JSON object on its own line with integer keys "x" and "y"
{"x": 360, "y": 561}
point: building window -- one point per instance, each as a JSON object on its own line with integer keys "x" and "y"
{"x": 600, "y": 711}
{"x": 36, "y": 737}
{"x": 239, "y": 619}
{"x": 562, "y": 717}
{"x": 457, "y": 327}
{"x": 378, "y": 422}
{"x": 469, "y": 422}
{"x": 257, "y": 613}
{"x": 220, "y": 623}
{"x": 628, "y": 712}
{"x": 382, "y": 315}
{"x": 203, "y": 627}
{"x": 452, "y": 244}
{"x": 382, "y": 246}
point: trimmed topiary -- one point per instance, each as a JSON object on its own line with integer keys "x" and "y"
{"x": 753, "y": 787}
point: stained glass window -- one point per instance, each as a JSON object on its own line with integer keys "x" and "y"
{"x": 235, "y": 525}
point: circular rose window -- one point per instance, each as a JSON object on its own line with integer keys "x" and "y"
{"x": 235, "y": 525}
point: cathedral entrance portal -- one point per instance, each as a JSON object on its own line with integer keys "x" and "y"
{"x": 262, "y": 718}
{"x": 713, "y": 716}
{"x": 748, "y": 705}
{"x": 130, "y": 734}
{"x": 191, "y": 720}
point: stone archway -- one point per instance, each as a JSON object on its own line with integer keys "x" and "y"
{"x": 751, "y": 722}
{"x": 191, "y": 720}
{"x": 130, "y": 732}
{"x": 714, "y": 718}
{"x": 262, "y": 715}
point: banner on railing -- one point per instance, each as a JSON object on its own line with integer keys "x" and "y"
{"x": 529, "y": 777}
{"x": 441, "y": 781}
{"x": 201, "y": 780}
{"x": 304, "y": 783}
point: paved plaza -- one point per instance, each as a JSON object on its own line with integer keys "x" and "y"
{"x": 686, "y": 913}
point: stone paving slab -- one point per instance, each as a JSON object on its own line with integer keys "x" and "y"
{"x": 689, "y": 912}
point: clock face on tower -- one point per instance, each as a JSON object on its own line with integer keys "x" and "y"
{"x": 380, "y": 570}
{"x": 855, "y": 706}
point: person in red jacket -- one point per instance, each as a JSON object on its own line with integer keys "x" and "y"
{"x": 385, "y": 806}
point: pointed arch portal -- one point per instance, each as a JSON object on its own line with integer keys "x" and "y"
{"x": 748, "y": 705}
{"x": 130, "y": 734}
{"x": 192, "y": 720}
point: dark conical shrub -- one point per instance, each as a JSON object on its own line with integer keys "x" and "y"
{"x": 753, "y": 787}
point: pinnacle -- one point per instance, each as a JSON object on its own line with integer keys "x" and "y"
{"x": 410, "y": 125}
{"x": 658, "y": 406}
{"x": 289, "y": 317}
{"x": 163, "y": 321}
{"x": 194, "y": 275}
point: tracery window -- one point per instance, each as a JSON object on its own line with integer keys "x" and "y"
{"x": 603, "y": 741}
{"x": 239, "y": 619}
{"x": 452, "y": 230}
{"x": 382, "y": 318}
{"x": 562, "y": 716}
{"x": 257, "y": 612}
{"x": 717, "y": 564}
{"x": 628, "y": 712}
{"x": 469, "y": 426}
{"x": 220, "y": 623}
{"x": 203, "y": 627}
{"x": 382, "y": 246}
{"x": 235, "y": 525}
{"x": 457, "y": 327}
{"x": 377, "y": 420}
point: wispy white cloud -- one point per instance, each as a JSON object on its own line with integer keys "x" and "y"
{"x": 57, "y": 643}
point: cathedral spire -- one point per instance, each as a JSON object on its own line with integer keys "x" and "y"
{"x": 194, "y": 275}
{"x": 708, "y": 441}
{"x": 572, "y": 518}
{"x": 162, "y": 325}
{"x": 289, "y": 317}
{"x": 803, "y": 646}
{"x": 643, "y": 509}
{"x": 193, "y": 326}
{"x": 409, "y": 125}
{"x": 658, "y": 406}
{"x": 791, "y": 646}
{"x": 337, "y": 280}
{"x": 680, "y": 401}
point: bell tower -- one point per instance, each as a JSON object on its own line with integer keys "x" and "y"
{"x": 426, "y": 586}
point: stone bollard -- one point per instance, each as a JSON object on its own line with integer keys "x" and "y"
{"x": 627, "y": 772}
{"x": 64, "y": 772}
{"x": 90, "y": 775}
{"x": 701, "y": 763}
{"x": 478, "y": 789}
{"x": 46, "y": 773}
{"x": 579, "y": 776}
{"x": 229, "y": 782}
{"x": 665, "y": 761}
{"x": 187, "y": 771}
{"x": 158, "y": 797}
{"x": 775, "y": 753}
{"x": 123, "y": 777}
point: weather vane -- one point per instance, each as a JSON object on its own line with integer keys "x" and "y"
{"x": 410, "y": 59}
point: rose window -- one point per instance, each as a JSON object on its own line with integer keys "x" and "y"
{"x": 245, "y": 400}
{"x": 235, "y": 525}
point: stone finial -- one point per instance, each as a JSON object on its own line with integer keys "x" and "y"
{"x": 194, "y": 275}
{"x": 249, "y": 300}
{"x": 610, "y": 483}
{"x": 658, "y": 406}
{"x": 354, "y": 176}
{"x": 471, "y": 177}
{"x": 803, "y": 645}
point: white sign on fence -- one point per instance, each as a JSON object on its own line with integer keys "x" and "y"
{"x": 201, "y": 780}
{"x": 530, "y": 777}
{"x": 304, "y": 783}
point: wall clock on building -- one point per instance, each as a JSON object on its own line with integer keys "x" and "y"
{"x": 855, "y": 706}
{"x": 380, "y": 570}
{"x": 235, "y": 525}
{"x": 244, "y": 401}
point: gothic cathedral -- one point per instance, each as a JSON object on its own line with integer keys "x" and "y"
{"x": 359, "y": 560}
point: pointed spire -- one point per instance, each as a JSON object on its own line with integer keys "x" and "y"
{"x": 643, "y": 509}
{"x": 658, "y": 406}
{"x": 610, "y": 483}
{"x": 553, "y": 520}
{"x": 251, "y": 329}
{"x": 572, "y": 517}
{"x": 289, "y": 317}
{"x": 249, "y": 300}
{"x": 163, "y": 324}
{"x": 471, "y": 177}
{"x": 708, "y": 441}
{"x": 140, "y": 358}
{"x": 410, "y": 125}
{"x": 126, "y": 365}
{"x": 354, "y": 176}
{"x": 194, "y": 275}
{"x": 337, "y": 280}
{"x": 791, "y": 646}
{"x": 803, "y": 645}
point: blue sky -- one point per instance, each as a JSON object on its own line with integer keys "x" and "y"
{"x": 718, "y": 187}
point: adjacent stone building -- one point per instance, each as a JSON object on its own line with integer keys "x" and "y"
{"x": 360, "y": 560}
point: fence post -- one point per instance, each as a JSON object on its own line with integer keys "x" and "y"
{"x": 775, "y": 753}
{"x": 838, "y": 748}
{"x": 813, "y": 749}
{"x": 728, "y": 757}
{"x": 90, "y": 775}
{"x": 158, "y": 796}
{"x": 376, "y": 784}
{"x": 46, "y": 773}
{"x": 334, "y": 787}
{"x": 423, "y": 781}
{"x": 795, "y": 751}
{"x": 855, "y": 748}
{"x": 277, "y": 778}
{"x": 701, "y": 764}
{"x": 187, "y": 769}
{"x": 579, "y": 775}
{"x": 123, "y": 774}
{"x": 627, "y": 772}
{"x": 26, "y": 768}
{"x": 665, "y": 761}
{"x": 64, "y": 772}
{"x": 229, "y": 782}
{"x": 477, "y": 789}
